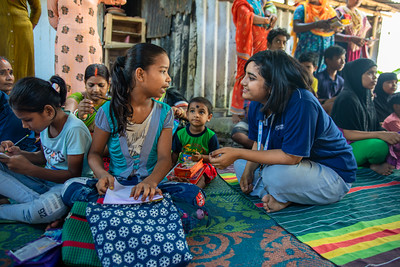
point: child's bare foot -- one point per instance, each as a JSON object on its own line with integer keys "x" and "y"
{"x": 271, "y": 204}
{"x": 383, "y": 169}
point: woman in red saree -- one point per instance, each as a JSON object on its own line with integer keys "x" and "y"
{"x": 252, "y": 27}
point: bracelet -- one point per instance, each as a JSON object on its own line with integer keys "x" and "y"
{"x": 85, "y": 119}
{"x": 77, "y": 115}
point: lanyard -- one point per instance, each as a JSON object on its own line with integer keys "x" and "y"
{"x": 260, "y": 130}
{"x": 259, "y": 137}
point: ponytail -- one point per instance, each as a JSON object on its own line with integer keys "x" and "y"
{"x": 32, "y": 94}
{"x": 62, "y": 88}
{"x": 120, "y": 95}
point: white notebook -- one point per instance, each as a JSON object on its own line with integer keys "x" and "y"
{"x": 121, "y": 195}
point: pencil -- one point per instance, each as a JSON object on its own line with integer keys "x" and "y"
{"x": 104, "y": 98}
{"x": 22, "y": 139}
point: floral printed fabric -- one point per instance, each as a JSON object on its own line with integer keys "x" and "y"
{"x": 148, "y": 234}
{"x": 77, "y": 43}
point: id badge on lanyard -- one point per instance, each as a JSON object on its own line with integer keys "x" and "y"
{"x": 259, "y": 138}
{"x": 260, "y": 130}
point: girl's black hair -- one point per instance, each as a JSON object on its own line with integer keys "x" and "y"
{"x": 394, "y": 99}
{"x": 283, "y": 74}
{"x": 97, "y": 70}
{"x": 31, "y": 94}
{"x": 142, "y": 56}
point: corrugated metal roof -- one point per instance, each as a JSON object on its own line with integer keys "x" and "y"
{"x": 158, "y": 15}
{"x": 158, "y": 22}
{"x": 173, "y": 7}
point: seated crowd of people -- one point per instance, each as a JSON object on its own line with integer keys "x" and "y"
{"x": 60, "y": 138}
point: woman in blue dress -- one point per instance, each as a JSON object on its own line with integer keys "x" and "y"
{"x": 312, "y": 28}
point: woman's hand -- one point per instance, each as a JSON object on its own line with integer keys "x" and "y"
{"x": 10, "y": 148}
{"x": 85, "y": 107}
{"x": 390, "y": 137}
{"x": 273, "y": 19}
{"x": 179, "y": 112}
{"x": 246, "y": 182}
{"x": 338, "y": 29}
{"x": 270, "y": 21}
{"x": 323, "y": 24}
{"x": 105, "y": 182}
{"x": 147, "y": 189}
{"x": 357, "y": 40}
{"x": 223, "y": 157}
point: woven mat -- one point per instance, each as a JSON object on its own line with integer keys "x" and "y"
{"x": 362, "y": 229}
{"x": 241, "y": 234}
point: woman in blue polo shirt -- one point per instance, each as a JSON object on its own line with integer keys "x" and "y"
{"x": 298, "y": 155}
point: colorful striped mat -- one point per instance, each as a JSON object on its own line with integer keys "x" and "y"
{"x": 362, "y": 229}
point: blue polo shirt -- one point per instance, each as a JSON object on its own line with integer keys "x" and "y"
{"x": 328, "y": 88}
{"x": 304, "y": 129}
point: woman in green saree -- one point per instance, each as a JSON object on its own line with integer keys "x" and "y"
{"x": 85, "y": 105}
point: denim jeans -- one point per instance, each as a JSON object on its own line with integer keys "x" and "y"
{"x": 307, "y": 183}
{"x": 39, "y": 201}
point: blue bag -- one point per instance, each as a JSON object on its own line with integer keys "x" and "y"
{"x": 148, "y": 234}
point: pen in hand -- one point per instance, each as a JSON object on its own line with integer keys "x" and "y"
{"x": 22, "y": 139}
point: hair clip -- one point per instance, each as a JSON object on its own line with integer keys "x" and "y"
{"x": 55, "y": 86}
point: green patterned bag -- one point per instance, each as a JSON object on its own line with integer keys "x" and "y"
{"x": 78, "y": 245}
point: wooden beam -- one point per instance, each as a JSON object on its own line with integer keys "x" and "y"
{"x": 382, "y": 5}
{"x": 374, "y": 30}
{"x": 385, "y": 8}
{"x": 371, "y": 3}
{"x": 365, "y": 10}
{"x": 334, "y": 4}
{"x": 283, "y": 6}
